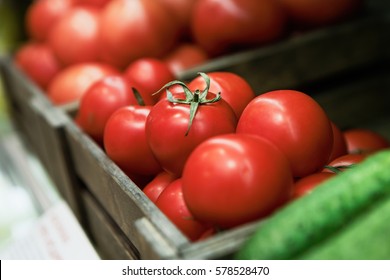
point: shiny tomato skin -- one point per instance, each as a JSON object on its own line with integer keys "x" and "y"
{"x": 234, "y": 89}
{"x": 100, "y": 101}
{"x": 167, "y": 124}
{"x": 70, "y": 84}
{"x": 42, "y": 15}
{"x": 314, "y": 13}
{"x": 172, "y": 204}
{"x": 74, "y": 38}
{"x": 339, "y": 143}
{"x": 154, "y": 188}
{"x": 305, "y": 185}
{"x": 133, "y": 29}
{"x": 148, "y": 75}
{"x": 232, "y": 179}
{"x": 361, "y": 140}
{"x": 94, "y": 3}
{"x": 38, "y": 62}
{"x": 125, "y": 141}
{"x": 295, "y": 123}
{"x": 220, "y": 26}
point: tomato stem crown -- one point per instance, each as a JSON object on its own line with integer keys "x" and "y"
{"x": 194, "y": 99}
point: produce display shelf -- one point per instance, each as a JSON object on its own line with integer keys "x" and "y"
{"x": 343, "y": 67}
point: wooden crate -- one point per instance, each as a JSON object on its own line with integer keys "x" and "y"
{"x": 341, "y": 66}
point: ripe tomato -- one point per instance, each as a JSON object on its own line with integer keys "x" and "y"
{"x": 148, "y": 75}
{"x": 74, "y": 38}
{"x": 125, "y": 141}
{"x": 232, "y": 179}
{"x": 364, "y": 141}
{"x": 70, "y": 84}
{"x": 42, "y": 15}
{"x": 100, "y": 101}
{"x": 133, "y": 29}
{"x": 339, "y": 143}
{"x": 154, "y": 188}
{"x": 344, "y": 162}
{"x": 95, "y": 3}
{"x": 295, "y": 123}
{"x": 219, "y": 26}
{"x": 311, "y": 13}
{"x": 172, "y": 204}
{"x": 185, "y": 56}
{"x": 175, "y": 127}
{"x": 38, "y": 62}
{"x": 234, "y": 89}
{"x": 306, "y": 184}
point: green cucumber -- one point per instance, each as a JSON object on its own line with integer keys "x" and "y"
{"x": 366, "y": 238}
{"x": 310, "y": 219}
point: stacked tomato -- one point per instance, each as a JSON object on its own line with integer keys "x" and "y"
{"x": 209, "y": 153}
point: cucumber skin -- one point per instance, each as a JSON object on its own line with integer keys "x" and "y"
{"x": 308, "y": 220}
{"x": 366, "y": 238}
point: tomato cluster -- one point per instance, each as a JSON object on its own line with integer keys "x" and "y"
{"x": 91, "y": 38}
{"x": 210, "y": 153}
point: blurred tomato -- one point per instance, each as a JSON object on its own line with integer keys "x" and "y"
{"x": 125, "y": 141}
{"x": 364, "y": 141}
{"x": 295, "y": 123}
{"x": 344, "y": 162}
{"x": 41, "y": 16}
{"x": 74, "y": 38}
{"x": 70, "y": 84}
{"x": 94, "y": 3}
{"x": 234, "y": 89}
{"x": 148, "y": 75}
{"x": 172, "y": 204}
{"x": 306, "y": 184}
{"x": 185, "y": 56}
{"x": 154, "y": 188}
{"x": 339, "y": 143}
{"x": 100, "y": 101}
{"x": 219, "y": 26}
{"x": 38, "y": 62}
{"x": 133, "y": 29}
{"x": 313, "y": 13}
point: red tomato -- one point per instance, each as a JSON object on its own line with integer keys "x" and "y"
{"x": 319, "y": 12}
{"x": 295, "y": 123}
{"x": 157, "y": 185}
{"x": 232, "y": 179}
{"x": 42, "y": 15}
{"x": 74, "y": 38}
{"x": 339, "y": 143}
{"x": 135, "y": 29}
{"x": 219, "y": 26}
{"x": 38, "y": 62}
{"x": 181, "y": 10}
{"x": 364, "y": 141}
{"x": 148, "y": 75}
{"x": 185, "y": 56}
{"x": 343, "y": 162}
{"x": 95, "y": 3}
{"x": 172, "y": 204}
{"x": 70, "y": 84}
{"x": 306, "y": 184}
{"x": 234, "y": 89}
{"x": 100, "y": 101}
{"x": 171, "y": 133}
{"x": 125, "y": 141}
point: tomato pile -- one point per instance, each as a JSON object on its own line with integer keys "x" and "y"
{"x": 211, "y": 153}
{"x": 91, "y": 38}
